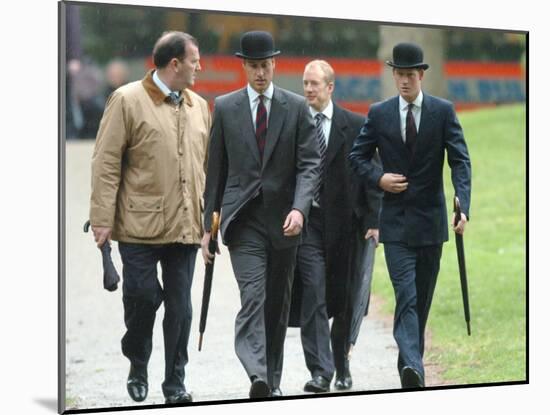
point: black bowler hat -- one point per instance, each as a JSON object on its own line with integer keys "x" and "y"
{"x": 408, "y": 56}
{"x": 257, "y": 45}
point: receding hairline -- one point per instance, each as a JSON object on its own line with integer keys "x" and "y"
{"x": 324, "y": 66}
{"x": 174, "y": 34}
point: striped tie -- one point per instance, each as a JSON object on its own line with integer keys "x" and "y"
{"x": 323, "y": 151}
{"x": 261, "y": 125}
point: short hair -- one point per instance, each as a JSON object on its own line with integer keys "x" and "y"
{"x": 393, "y": 69}
{"x": 325, "y": 67}
{"x": 171, "y": 45}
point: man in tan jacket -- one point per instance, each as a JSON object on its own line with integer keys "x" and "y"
{"x": 148, "y": 173}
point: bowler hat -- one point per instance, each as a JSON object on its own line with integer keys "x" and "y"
{"x": 257, "y": 45}
{"x": 407, "y": 56}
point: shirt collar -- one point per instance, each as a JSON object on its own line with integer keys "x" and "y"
{"x": 253, "y": 95}
{"x": 327, "y": 112}
{"x": 162, "y": 86}
{"x": 403, "y": 104}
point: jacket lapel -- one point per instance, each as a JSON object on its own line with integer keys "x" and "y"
{"x": 336, "y": 136}
{"x": 393, "y": 120}
{"x": 244, "y": 119}
{"x": 277, "y": 116}
{"x": 426, "y": 123}
{"x": 426, "y": 119}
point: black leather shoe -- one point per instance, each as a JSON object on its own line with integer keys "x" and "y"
{"x": 343, "y": 382}
{"x": 179, "y": 397}
{"x": 137, "y": 384}
{"x": 411, "y": 378}
{"x": 317, "y": 384}
{"x": 276, "y": 393}
{"x": 259, "y": 389}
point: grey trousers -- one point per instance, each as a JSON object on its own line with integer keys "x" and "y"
{"x": 314, "y": 326}
{"x": 264, "y": 276}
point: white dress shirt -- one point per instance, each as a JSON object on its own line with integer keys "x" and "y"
{"x": 327, "y": 120}
{"x": 253, "y": 97}
{"x": 416, "y": 110}
{"x": 162, "y": 86}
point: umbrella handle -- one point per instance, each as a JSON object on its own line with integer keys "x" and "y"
{"x": 458, "y": 211}
{"x": 215, "y": 225}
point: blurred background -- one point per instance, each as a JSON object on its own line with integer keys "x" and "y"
{"x": 110, "y": 45}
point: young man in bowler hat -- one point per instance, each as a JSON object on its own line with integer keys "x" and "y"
{"x": 263, "y": 167}
{"x": 412, "y": 132}
{"x": 147, "y": 181}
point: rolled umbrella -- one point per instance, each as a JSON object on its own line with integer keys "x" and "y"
{"x": 110, "y": 274}
{"x": 361, "y": 289}
{"x": 462, "y": 265}
{"x": 208, "y": 274}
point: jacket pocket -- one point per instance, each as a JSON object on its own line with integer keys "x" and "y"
{"x": 230, "y": 196}
{"x": 231, "y": 190}
{"x": 145, "y": 216}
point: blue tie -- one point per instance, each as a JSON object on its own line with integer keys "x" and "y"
{"x": 175, "y": 98}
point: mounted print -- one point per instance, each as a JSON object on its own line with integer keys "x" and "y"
{"x": 266, "y": 207}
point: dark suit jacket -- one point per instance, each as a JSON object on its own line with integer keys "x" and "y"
{"x": 417, "y": 216}
{"x": 286, "y": 177}
{"x": 348, "y": 206}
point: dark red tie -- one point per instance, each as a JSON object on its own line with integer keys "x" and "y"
{"x": 261, "y": 125}
{"x": 410, "y": 131}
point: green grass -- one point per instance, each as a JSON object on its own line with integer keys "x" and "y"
{"x": 495, "y": 244}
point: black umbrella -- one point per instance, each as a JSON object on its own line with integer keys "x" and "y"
{"x": 462, "y": 266}
{"x": 360, "y": 288}
{"x": 110, "y": 274}
{"x": 208, "y": 273}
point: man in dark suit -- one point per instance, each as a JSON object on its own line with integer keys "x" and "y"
{"x": 343, "y": 217}
{"x": 263, "y": 168}
{"x": 412, "y": 132}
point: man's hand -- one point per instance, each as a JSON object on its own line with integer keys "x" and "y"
{"x": 461, "y": 226}
{"x": 393, "y": 183}
{"x": 206, "y": 255}
{"x": 293, "y": 223}
{"x": 102, "y": 234}
{"x": 372, "y": 233}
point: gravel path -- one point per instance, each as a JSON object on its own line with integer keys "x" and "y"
{"x": 96, "y": 371}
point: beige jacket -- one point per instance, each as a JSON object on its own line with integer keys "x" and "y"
{"x": 148, "y": 165}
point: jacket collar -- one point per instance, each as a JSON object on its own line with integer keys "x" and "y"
{"x": 157, "y": 95}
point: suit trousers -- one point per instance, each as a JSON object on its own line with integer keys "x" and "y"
{"x": 264, "y": 276}
{"x": 413, "y": 273}
{"x": 142, "y": 296}
{"x": 314, "y": 326}
{"x": 358, "y": 294}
